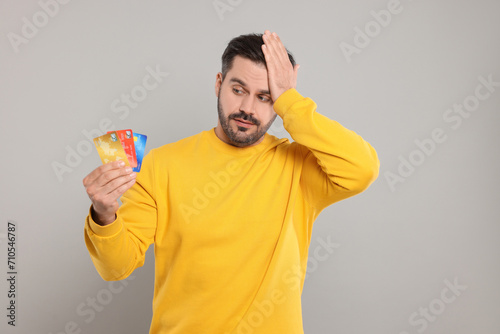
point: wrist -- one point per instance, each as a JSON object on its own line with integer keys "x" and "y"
{"x": 100, "y": 219}
{"x": 286, "y": 100}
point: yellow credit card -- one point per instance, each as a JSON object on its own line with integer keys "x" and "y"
{"x": 110, "y": 148}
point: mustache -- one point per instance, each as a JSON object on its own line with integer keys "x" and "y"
{"x": 244, "y": 116}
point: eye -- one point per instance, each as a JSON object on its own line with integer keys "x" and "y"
{"x": 264, "y": 98}
{"x": 237, "y": 91}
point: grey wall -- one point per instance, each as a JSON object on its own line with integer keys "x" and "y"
{"x": 425, "y": 224}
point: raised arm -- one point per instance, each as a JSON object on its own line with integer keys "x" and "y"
{"x": 338, "y": 163}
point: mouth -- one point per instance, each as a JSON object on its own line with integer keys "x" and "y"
{"x": 242, "y": 123}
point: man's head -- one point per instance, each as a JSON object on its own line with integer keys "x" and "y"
{"x": 244, "y": 103}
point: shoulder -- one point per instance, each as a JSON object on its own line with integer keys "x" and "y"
{"x": 181, "y": 144}
{"x": 160, "y": 160}
{"x": 284, "y": 146}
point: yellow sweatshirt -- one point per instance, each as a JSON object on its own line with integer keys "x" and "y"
{"x": 231, "y": 226}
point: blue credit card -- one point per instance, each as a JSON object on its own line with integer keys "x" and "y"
{"x": 140, "y": 146}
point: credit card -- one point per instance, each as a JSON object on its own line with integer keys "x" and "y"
{"x": 140, "y": 146}
{"x": 127, "y": 140}
{"x": 110, "y": 148}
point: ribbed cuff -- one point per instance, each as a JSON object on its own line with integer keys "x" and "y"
{"x": 286, "y": 100}
{"x": 104, "y": 231}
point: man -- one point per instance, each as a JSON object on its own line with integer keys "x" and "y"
{"x": 230, "y": 210}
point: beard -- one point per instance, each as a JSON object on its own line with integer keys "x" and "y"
{"x": 240, "y": 137}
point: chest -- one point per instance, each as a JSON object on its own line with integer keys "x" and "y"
{"x": 218, "y": 202}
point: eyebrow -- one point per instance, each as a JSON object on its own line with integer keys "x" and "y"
{"x": 241, "y": 82}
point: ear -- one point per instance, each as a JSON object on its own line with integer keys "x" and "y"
{"x": 218, "y": 83}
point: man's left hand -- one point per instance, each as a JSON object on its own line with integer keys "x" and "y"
{"x": 281, "y": 74}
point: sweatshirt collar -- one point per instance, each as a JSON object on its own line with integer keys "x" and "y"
{"x": 238, "y": 151}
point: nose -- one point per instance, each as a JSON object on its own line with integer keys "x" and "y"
{"x": 247, "y": 104}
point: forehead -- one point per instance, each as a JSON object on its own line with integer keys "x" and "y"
{"x": 252, "y": 74}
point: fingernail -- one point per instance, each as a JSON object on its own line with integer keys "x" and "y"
{"x": 133, "y": 175}
{"x": 121, "y": 163}
{"x": 128, "y": 169}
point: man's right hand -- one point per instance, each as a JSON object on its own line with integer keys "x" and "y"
{"x": 104, "y": 186}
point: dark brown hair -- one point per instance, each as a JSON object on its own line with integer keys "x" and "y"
{"x": 247, "y": 46}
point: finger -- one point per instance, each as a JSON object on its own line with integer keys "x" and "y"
{"x": 268, "y": 43}
{"x": 295, "y": 73}
{"x": 277, "y": 50}
{"x": 270, "y": 40}
{"x": 268, "y": 56}
{"x": 111, "y": 180}
{"x": 108, "y": 198}
{"x": 106, "y": 204}
{"x": 92, "y": 176}
{"x": 108, "y": 181}
{"x": 281, "y": 51}
{"x": 273, "y": 59}
{"x": 296, "y": 69}
{"x": 271, "y": 63}
{"x": 118, "y": 192}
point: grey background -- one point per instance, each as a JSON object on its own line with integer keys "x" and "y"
{"x": 396, "y": 247}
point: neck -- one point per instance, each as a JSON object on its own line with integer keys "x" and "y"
{"x": 222, "y": 136}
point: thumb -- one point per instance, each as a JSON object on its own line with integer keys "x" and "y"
{"x": 296, "y": 68}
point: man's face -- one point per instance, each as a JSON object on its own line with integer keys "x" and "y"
{"x": 244, "y": 103}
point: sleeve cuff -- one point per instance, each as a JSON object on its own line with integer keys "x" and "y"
{"x": 104, "y": 231}
{"x": 286, "y": 100}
